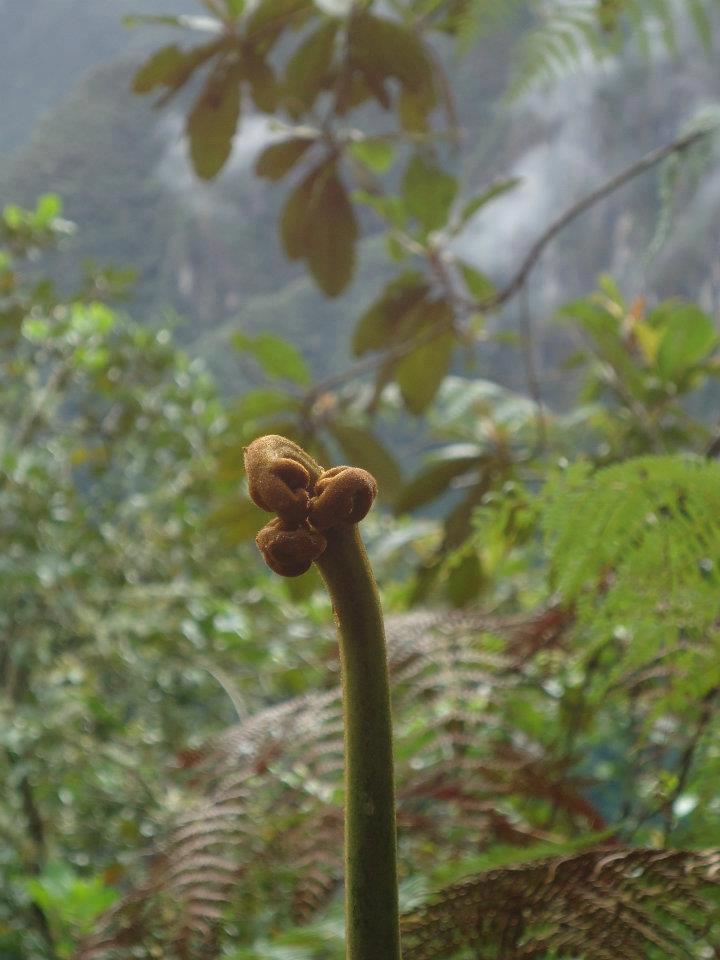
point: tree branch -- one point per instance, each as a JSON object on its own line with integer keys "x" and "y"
{"x": 518, "y": 280}
{"x": 647, "y": 162}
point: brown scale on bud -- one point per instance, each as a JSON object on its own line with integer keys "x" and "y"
{"x": 284, "y": 479}
{"x": 342, "y": 495}
{"x": 287, "y": 550}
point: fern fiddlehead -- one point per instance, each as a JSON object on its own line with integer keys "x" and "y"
{"x": 317, "y": 515}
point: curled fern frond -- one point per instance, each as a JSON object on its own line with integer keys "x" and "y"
{"x": 608, "y": 902}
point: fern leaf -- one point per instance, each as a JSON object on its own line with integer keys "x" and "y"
{"x": 573, "y": 31}
{"x": 273, "y": 785}
{"x": 636, "y": 548}
{"x": 605, "y": 903}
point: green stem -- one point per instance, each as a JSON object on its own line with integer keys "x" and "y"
{"x": 371, "y": 896}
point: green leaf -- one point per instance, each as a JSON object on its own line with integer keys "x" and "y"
{"x": 465, "y": 580}
{"x": 376, "y": 326}
{"x": 689, "y": 337}
{"x": 376, "y": 155}
{"x": 276, "y": 356}
{"x": 171, "y": 67}
{"x": 261, "y": 403}
{"x": 238, "y": 520}
{"x": 496, "y": 190}
{"x": 391, "y": 209}
{"x": 433, "y": 481}
{"x": 213, "y": 120}
{"x": 383, "y": 48}
{"x": 415, "y": 107}
{"x": 308, "y": 68}
{"x": 479, "y": 285}
{"x": 294, "y": 215}
{"x": 49, "y": 206}
{"x": 302, "y": 588}
{"x": 262, "y": 83}
{"x": 271, "y": 17}
{"x": 421, "y": 372}
{"x": 318, "y": 224}
{"x": 364, "y": 450}
{"x": 279, "y": 158}
{"x": 428, "y": 192}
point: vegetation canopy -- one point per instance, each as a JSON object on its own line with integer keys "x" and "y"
{"x": 521, "y": 760}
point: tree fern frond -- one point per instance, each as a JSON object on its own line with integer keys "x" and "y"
{"x": 636, "y": 548}
{"x": 609, "y": 902}
{"x": 572, "y": 31}
{"x": 568, "y": 34}
{"x": 273, "y": 784}
{"x": 686, "y": 169}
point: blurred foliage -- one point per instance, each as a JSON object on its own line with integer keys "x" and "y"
{"x": 556, "y": 700}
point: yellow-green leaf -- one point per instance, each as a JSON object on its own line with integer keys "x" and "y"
{"x": 421, "y": 372}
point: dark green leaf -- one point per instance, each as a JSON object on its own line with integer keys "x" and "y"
{"x": 377, "y": 325}
{"x": 428, "y": 192}
{"x": 276, "y": 356}
{"x": 171, "y": 67}
{"x": 331, "y": 236}
{"x": 308, "y": 68}
{"x": 213, "y": 120}
{"x": 318, "y": 224}
{"x": 414, "y": 108}
{"x": 261, "y": 79}
{"x": 362, "y": 449}
{"x": 383, "y": 48}
{"x": 433, "y": 481}
{"x": 294, "y": 215}
{"x": 279, "y": 158}
{"x": 270, "y": 18}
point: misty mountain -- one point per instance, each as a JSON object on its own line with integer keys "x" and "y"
{"x": 210, "y": 252}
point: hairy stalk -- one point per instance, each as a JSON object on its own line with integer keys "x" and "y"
{"x": 371, "y": 900}
{"x": 317, "y": 515}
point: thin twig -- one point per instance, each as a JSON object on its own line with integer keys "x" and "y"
{"x": 686, "y": 760}
{"x": 532, "y": 378}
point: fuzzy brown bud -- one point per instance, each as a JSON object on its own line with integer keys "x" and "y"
{"x": 290, "y": 550}
{"x": 342, "y": 495}
{"x": 281, "y": 477}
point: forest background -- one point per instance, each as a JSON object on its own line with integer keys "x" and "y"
{"x": 471, "y": 246}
